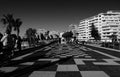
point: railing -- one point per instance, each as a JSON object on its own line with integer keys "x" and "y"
{"x": 115, "y": 45}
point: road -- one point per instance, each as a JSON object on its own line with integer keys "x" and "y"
{"x": 64, "y": 60}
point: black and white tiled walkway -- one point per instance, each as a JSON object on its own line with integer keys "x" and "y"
{"x": 67, "y": 64}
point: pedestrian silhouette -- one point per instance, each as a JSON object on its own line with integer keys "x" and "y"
{"x": 19, "y": 41}
{"x": 1, "y": 45}
{"x": 7, "y": 44}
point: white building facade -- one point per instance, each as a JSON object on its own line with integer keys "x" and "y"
{"x": 106, "y": 23}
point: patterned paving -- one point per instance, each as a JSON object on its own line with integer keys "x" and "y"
{"x": 67, "y": 61}
{"x": 64, "y": 51}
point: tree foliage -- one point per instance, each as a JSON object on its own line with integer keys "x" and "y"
{"x": 31, "y": 36}
{"x": 113, "y": 37}
{"x": 42, "y": 36}
{"x": 10, "y": 22}
{"x": 67, "y": 35}
{"x": 17, "y": 24}
{"x": 94, "y": 32}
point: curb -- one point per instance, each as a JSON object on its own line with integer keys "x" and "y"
{"x": 103, "y": 47}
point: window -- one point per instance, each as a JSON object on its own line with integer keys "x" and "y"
{"x": 103, "y": 20}
{"x": 105, "y": 26}
{"x": 113, "y": 25}
{"x": 105, "y": 29}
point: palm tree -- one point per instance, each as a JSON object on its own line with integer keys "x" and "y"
{"x": 8, "y": 21}
{"x": 17, "y": 24}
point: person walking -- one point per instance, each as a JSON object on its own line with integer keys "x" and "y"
{"x": 7, "y": 44}
{"x": 19, "y": 41}
{"x": 59, "y": 40}
{"x": 1, "y": 45}
{"x": 13, "y": 44}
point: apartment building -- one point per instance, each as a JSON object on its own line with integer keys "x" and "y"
{"x": 107, "y": 24}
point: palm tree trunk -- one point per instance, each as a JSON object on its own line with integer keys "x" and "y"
{"x": 9, "y": 28}
{"x": 18, "y": 31}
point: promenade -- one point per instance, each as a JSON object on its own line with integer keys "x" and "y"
{"x": 64, "y": 60}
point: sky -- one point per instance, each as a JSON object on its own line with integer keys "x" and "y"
{"x": 53, "y": 14}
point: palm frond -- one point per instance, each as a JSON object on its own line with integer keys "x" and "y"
{"x": 3, "y": 21}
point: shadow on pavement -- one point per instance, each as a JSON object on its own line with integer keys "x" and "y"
{"x": 29, "y": 69}
{"x": 23, "y": 52}
{"x": 29, "y": 58}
